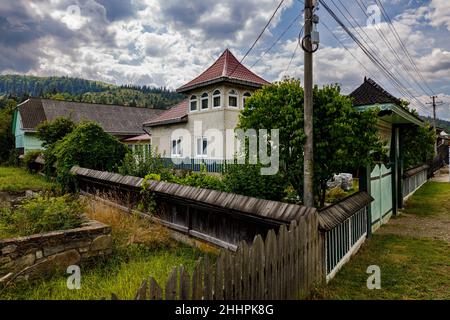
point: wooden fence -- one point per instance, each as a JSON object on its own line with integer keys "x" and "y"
{"x": 285, "y": 266}
{"x": 220, "y": 218}
{"x": 413, "y": 179}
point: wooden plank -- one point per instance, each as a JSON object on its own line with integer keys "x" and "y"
{"x": 271, "y": 261}
{"x": 141, "y": 294}
{"x": 184, "y": 284}
{"x": 171, "y": 285}
{"x": 197, "y": 283}
{"x": 207, "y": 280}
{"x": 218, "y": 278}
{"x": 155, "y": 290}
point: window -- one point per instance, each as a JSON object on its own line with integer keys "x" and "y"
{"x": 176, "y": 147}
{"x": 217, "y": 99}
{"x": 232, "y": 99}
{"x": 202, "y": 147}
{"x": 194, "y": 103}
{"x": 245, "y": 97}
{"x": 205, "y": 99}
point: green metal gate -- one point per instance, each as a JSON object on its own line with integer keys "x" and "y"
{"x": 381, "y": 191}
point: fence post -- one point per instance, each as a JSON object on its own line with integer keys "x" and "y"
{"x": 365, "y": 185}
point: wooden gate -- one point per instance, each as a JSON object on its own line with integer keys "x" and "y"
{"x": 381, "y": 191}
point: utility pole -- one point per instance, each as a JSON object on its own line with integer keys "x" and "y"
{"x": 435, "y": 103}
{"x": 307, "y": 45}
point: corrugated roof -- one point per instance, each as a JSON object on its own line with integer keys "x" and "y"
{"x": 114, "y": 119}
{"x": 371, "y": 93}
{"x": 176, "y": 114}
{"x": 226, "y": 68}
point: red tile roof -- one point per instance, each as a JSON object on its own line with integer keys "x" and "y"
{"x": 175, "y": 114}
{"x": 144, "y": 137}
{"x": 226, "y": 68}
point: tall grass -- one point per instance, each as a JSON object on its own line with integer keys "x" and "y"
{"x": 17, "y": 179}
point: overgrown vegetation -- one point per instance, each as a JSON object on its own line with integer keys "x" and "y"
{"x": 29, "y": 160}
{"x": 140, "y": 250}
{"x": 88, "y": 146}
{"x": 42, "y": 214}
{"x": 17, "y": 179}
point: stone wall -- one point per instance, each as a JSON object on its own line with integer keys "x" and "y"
{"x": 38, "y": 255}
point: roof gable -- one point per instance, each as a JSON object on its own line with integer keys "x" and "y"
{"x": 226, "y": 68}
{"x": 371, "y": 93}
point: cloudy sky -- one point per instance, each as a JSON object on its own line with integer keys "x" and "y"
{"x": 168, "y": 42}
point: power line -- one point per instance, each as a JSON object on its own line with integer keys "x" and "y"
{"x": 371, "y": 56}
{"x": 277, "y": 40}
{"x": 260, "y": 35}
{"x": 404, "y": 90}
{"x": 295, "y": 51}
{"x": 402, "y": 45}
{"x": 383, "y": 56}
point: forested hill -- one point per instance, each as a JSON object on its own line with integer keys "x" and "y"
{"x": 76, "y": 89}
{"x": 444, "y": 124}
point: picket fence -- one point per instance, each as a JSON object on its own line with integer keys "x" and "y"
{"x": 285, "y": 266}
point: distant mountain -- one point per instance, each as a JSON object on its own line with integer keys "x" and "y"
{"x": 76, "y": 89}
{"x": 444, "y": 124}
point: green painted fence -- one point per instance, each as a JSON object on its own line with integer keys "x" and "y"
{"x": 381, "y": 191}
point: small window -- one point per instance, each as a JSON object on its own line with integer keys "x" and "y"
{"x": 205, "y": 101}
{"x": 233, "y": 99}
{"x": 176, "y": 147}
{"x": 202, "y": 147}
{"x": 245, "y": 97}
{"x": 217, "y": 99}
{"x": 194, "y": 103}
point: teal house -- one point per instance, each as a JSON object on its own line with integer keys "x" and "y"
{"x": 384, "y": 180}
{"x": 122, "y": 122}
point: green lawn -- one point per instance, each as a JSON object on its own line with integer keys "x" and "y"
{"x": 121, "y": 274}
{"x": 17, "y": 179}
{"x": 411, "y": 267}
{"x": 433, "y": 199}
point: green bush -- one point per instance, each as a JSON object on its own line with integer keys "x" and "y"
{"x": 246, "y": 179}
{"x": 202, "y": 180}
{"x": 140, "y": 164}
{"x": 29, "y": 160}
{"x": 43, "y": 214}
{"x": 88, "y": 146}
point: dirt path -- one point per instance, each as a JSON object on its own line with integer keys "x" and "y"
{"x": 419, "y": 227}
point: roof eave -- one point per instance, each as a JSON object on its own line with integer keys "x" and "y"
{"x": 395, "y": 109}
{"x": 187, "y": 89}
{"x": 183, "y": 119}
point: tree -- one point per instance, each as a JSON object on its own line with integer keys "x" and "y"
{"x": 88, "y": 146}
{"x": 417, "y": 145}
{"x": 49, "y": 132}
{"x": 7, "y": 107}
{"x": 344, "y": 138}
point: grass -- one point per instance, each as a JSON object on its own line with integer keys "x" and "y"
{"x": 140, "y": 250}
{"x": 121, "y": 274}
{"x": 433, "y": 199}
{"x": 411, "y": 267}
{"x": 14, "y": 179}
